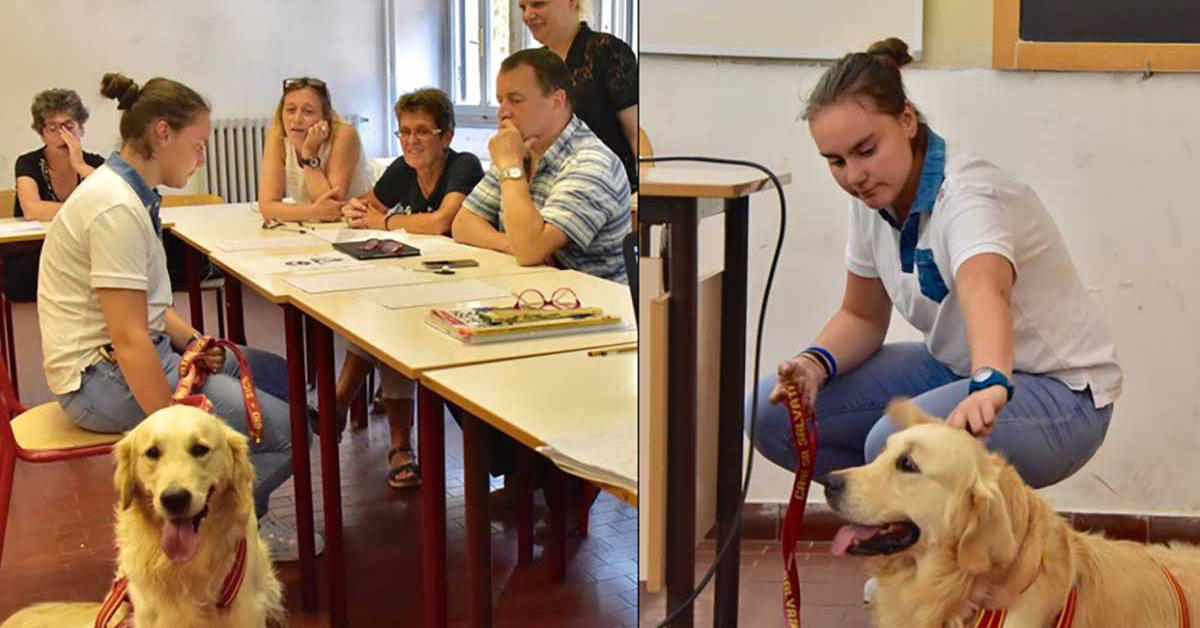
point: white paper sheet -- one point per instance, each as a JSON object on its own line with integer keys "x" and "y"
{"x": 359, "y": 279}
{"x": 434, "y": 293}
{"x": 303, "y": 261}
{"x": 608, "y": 456}
{"x": 25, "y": 226}
{"x": 259, "y": 244}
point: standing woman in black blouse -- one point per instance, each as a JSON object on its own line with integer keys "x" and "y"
{"x": 605, "y": 72}
{"x": 47, "y": 176}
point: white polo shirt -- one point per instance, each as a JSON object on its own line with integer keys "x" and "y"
{"x": 964, "y": 207}
{"x": 106, "y": 235}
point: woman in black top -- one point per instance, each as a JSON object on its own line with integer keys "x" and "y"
{"x": 420, "y": 192}
{"x": 605, "y": 72}
{"x": 46, "y": 177}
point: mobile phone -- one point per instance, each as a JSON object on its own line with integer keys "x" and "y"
{"x": 450, "y": 263}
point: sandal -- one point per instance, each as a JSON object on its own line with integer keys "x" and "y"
{"x": 404, "y": 475}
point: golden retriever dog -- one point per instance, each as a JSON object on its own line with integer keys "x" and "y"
{"x": 184, "y": 483}
{"x": 949, "y": 528}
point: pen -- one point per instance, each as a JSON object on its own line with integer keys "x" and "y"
{"x": 613, "y": 351}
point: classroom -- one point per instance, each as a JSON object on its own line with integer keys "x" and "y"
{"x": 398, "y": 231}
{"x": 1102, "y": 130}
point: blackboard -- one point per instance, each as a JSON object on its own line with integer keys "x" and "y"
{"x": 1111, "y": 21}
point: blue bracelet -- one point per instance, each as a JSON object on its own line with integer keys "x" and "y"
{"x": 824, "y": 353}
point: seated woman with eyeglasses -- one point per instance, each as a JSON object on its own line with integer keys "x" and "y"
{"x": 46, "y": 177}
{"x": 420, "y": 193}
{"x": 312, "y": 155}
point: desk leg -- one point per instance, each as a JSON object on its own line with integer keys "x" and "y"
{"x": 524, "y": 482}
{"x": 732, "y": 400}
{"x": 330, "y": 475}
{"x": 233, "y": 310}
{"x": 191, "y": 259}
{"x": 10, "y": 347}
{"x": 559, "y": 504}
{"x": 479, "y": 527}
{"x": 681, "y": 416}
{"x": 431, "y": 432}
{"x": 301, "y": 468}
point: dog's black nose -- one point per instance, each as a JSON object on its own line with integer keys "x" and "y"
{"x": 834, "y": 484}
{"x": 176, "y": 501}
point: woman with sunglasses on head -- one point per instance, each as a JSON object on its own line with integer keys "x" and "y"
{"x": 420, "y": 192}
{"x": 46, "y": 177}
{"x": 111, "y": 340}
{"x": 312, "y": 155}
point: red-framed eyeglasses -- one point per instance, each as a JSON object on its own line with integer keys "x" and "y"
{"x": 561, "y": 299}
{"x": 382, "y": 245}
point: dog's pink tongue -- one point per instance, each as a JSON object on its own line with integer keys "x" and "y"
{"x": 179, "y": 540}
{"x": 849, "y": 533}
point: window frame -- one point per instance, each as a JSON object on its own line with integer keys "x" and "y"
{"x": 477, "y": 115}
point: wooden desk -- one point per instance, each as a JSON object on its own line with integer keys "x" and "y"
{"x": 401, "y": 339}
{"x": 669, "y": 197}
{"x": 534, "y": 400}
{"x": 200, "y": 231}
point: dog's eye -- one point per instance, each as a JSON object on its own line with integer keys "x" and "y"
{"x": 199, "y": 450}
{"x": 906, "y": 464}
{"x": 153, "y": 453}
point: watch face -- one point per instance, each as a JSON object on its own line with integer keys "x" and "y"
{"x": 982, "y": 374}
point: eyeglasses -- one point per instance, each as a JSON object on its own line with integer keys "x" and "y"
{"x": 420, "y": 133}
{"x": 277, "y": 224}
{"x": 383, "y": 246}
{"x": 69, "y": 126}
{"x": 560, "y": 299}
{"x": 303, "y": 81}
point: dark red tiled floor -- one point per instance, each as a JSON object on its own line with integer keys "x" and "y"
{"x": 830, "y": 588}
{"x": 59, "y": 544}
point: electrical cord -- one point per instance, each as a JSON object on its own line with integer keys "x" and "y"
{"x": 737, "y": 521}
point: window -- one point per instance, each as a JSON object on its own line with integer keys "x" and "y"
{"x": 484, "y": 32}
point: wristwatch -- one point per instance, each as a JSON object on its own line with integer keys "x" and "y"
{"x": 311, "y": 162}
{"x": 514, "y": 172}
{"x": 986, "y": 377}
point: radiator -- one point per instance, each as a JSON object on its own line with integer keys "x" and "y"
{"x": 234, "y": 157}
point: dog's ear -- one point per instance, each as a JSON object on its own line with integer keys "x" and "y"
{"x": 124, "y": 479}
{"x": 988, "y": 537}
{"x": 905, "y": 414}
{"x": 242, "y": 475}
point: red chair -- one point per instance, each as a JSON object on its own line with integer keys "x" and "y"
{"x": 41, "y": 434}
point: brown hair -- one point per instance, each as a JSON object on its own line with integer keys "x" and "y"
{"x": 872, "y": 76}
{"x": 551, "y": 71}
{"x": 428, "y": 100}
{"x": 52, "y": 101}
{"x": 318, "y": 86}
{"x": 158, "y": 99}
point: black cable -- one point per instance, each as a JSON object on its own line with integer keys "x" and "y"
{"x": 737, "y": 521}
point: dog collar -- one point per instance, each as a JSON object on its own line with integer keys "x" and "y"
{"x": 118, "y": 595}
{"x": 994, "y": 618}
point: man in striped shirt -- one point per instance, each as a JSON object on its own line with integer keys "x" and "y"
{"x": 554, "y": 191}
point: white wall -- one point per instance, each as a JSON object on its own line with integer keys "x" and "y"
{"x": 1114, "y": 159}
{"x": 234, "y": 52}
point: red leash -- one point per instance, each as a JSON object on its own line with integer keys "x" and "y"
{"x": 804, "y": 436}
{"x": 192, "y": 374}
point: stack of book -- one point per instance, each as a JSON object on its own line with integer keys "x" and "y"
{"x": 480, "y": 325}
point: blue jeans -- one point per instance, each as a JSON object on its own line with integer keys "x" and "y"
{"x": 104, "y": 403}
{"x": 1047, "y": 431}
